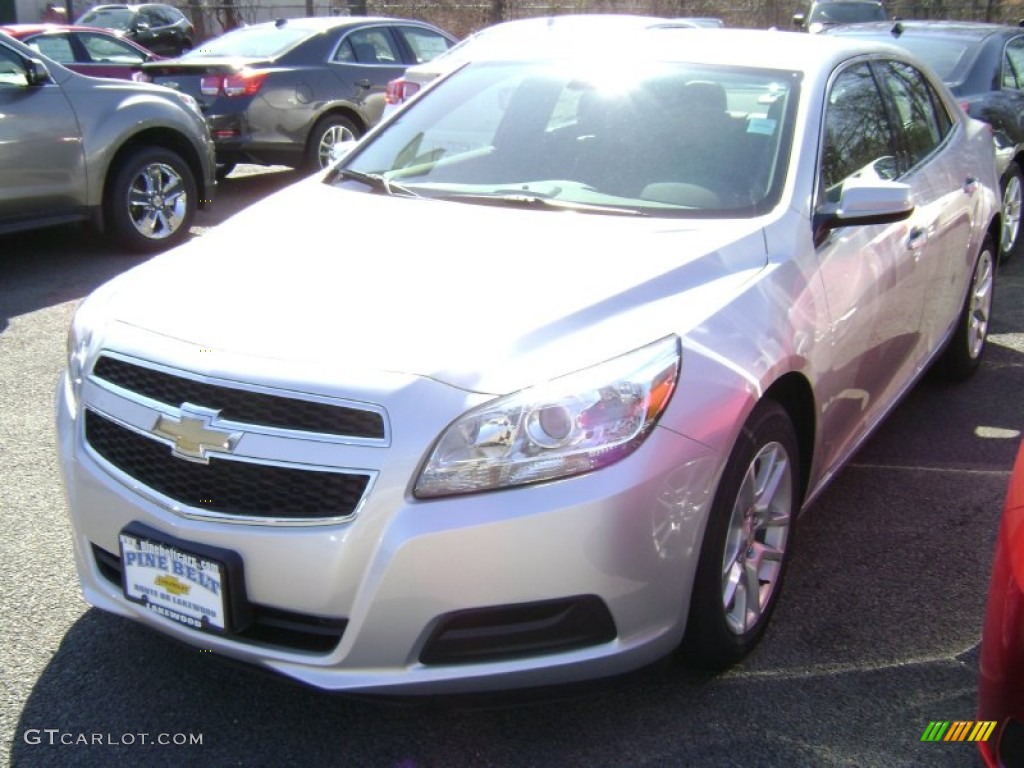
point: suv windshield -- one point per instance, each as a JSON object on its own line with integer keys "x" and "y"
{"x": 682, "y": 140}
{"x": 108, "y": 18}
{"x": 845, "y": 13}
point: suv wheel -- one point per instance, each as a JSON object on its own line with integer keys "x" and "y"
{"x": 151, "y": 200}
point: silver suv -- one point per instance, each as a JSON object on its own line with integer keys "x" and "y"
{"x": 135, "y": 159}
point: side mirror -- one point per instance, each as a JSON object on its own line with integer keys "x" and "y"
{"x": 799, "y": 20}
{"x": 863, "y": 202}
{"x": 36, "y": 72}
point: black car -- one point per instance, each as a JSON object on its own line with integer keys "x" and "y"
{"x": 284, "y": 92}
{"x": 983, "y": 65}
{"x": 163, "y": 29}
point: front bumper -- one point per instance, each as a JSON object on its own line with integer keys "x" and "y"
{"x": 542, "y": 571}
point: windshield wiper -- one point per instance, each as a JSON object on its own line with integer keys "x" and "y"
{"x": 376, "y": 181}
{"x": 536, "y": 201}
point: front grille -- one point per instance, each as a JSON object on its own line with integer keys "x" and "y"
{"x": 224, "y": 486}
{"x": 269, "y": 626}
{"x": 242, "y": 405}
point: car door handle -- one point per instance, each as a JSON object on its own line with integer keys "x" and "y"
{"x": 917, "y": 238}
{"x": 971, "y": 185}
{"x": 364, "y": 83}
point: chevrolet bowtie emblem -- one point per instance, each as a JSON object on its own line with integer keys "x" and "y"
{"x": 192, "y": 434}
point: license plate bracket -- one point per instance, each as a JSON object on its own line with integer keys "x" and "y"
{"x": 196, "y": 585}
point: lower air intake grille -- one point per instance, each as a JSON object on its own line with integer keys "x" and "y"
{"x": 505, "y": 632}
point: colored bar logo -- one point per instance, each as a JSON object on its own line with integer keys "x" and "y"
{"x": 958, "y": 730}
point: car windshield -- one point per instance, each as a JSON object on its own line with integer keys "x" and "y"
{"x": 109, "y": 18}
{"x": 846, "y": 13}
{"x": 668, "y": 140}
{"x": 251, "y": 42}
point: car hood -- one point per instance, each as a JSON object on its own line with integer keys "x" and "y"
{"x": 482, "y": 298}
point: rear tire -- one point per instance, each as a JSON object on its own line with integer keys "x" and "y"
{"x": 328, "y": 131}
{"x": 150, "y": 200}
{"x": 963, "y": 354}
{"x": 747, "y": 542}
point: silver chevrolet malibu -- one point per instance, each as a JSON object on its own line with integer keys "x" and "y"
{"x": 532, "y": 385}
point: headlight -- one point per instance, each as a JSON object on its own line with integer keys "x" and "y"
{"x": 79, "y": 342}
{"x": 190, "y": 103}
{"x": 566, "y": 426}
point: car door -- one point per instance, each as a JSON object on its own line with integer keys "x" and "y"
{"x": 109, "y": 57}
{"x": 423, "y": 44}
{"x": 365, "y": 60}
{"x": 54, "y": 45}
{"x": 943, "y": 192}
{"x": 42, "y": 168}
{"x": 874, "y": 277}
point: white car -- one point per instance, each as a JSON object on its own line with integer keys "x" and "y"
{"x": 631, "y": 318}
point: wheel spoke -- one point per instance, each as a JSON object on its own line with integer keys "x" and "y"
{"x": 147, "y": 223}
{"x": 752, "y": 589}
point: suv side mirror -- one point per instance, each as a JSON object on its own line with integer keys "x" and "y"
{"x": 799, "y": 20}
{"x": 36, "y": 72}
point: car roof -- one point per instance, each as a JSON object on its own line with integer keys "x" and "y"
{"x": 771, "y": 49}
{"x": 970, "y": 30}
{"x": 323, "y": 23}
{"x": 20, "y": 30}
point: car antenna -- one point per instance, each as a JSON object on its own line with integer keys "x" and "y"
{"x": 897, "y": 29}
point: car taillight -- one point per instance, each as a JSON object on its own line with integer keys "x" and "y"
{"x": 239, "y": 84}
{"x": 400, "y": 90}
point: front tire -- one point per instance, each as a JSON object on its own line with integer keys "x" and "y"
{"x": 1012, "y": 186}
{"x": 328, "y": 131}
{"x": 963, "y": 355}
{"x": 151, "y": 200}
{"x": 747, "y": 541}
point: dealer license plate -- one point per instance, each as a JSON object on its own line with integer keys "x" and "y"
{"x": 174, "y": 582}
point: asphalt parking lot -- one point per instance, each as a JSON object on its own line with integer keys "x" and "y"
{"x": 876, "y": 634}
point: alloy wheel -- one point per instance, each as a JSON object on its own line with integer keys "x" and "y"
{"x": 335, "y": 134}
{"x": 755, "y": 543}
{"x": 157, "y": 201}
{"x": 980, "y": 302}
{"x": 1012, "y": 197}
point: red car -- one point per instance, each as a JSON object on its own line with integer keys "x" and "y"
{"x": 1001, "y": 677}
{"x": 88, "y": 50}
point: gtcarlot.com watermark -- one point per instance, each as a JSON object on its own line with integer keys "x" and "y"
{"x": 57, "y": 737}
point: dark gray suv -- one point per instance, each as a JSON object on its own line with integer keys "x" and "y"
{"x": 133, "y": 158}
